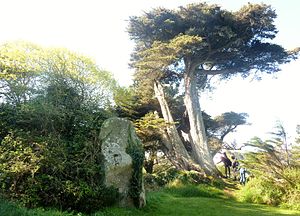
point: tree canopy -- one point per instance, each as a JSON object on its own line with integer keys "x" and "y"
{"x": 208, "y": 38}
{"x": 192, "y": 43}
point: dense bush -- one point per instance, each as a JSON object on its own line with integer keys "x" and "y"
{"x": 261, "y": 190}
{"x": 50, "y": 119}
{"x": 160, "y": 179}
{"x": 284, "y": 191}
{"x": 185, "y": 183}
{"x": 291, "y": 197}
{"x": 53, "y": 171}
{"x": 276, "y": 172}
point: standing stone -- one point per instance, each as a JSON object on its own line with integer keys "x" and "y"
{"x": 117, "y": 136}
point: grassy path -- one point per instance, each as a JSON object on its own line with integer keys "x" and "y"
{"x": 166, "y": 204}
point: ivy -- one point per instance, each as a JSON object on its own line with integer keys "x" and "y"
{"x": 136, "y": 152}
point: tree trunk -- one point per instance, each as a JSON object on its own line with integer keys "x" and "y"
{"x": 198, "y": 137}
{"x": 175, "y": 149}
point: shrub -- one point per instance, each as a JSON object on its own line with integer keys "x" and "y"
{"x": 172, "y": 175}
{"x": 53, "y": 173}
{"x": 161, "y": 179}
{"x": 277, "y": 177}
{"x": 192, "y": 177}
{"x": 291, "y": 198}
{"x": 284, "y": 191}
{"x": 177, "y": 188}
{"x": 261, "y": 190}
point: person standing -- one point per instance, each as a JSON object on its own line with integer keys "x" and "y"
{"x": 235, "y": 167}
{"x": 243, "y": 175}
{"x": 227, "y": 164}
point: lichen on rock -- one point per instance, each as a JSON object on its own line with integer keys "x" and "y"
{"x": 123, "y": 160}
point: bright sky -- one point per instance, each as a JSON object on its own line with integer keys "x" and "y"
{"x": 98, "y": 29}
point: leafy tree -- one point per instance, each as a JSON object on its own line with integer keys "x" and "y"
{"x": 130, "y": 104}
{"x": 226, "y": 123}
{"x": 220, "y": 126}
{"x": 193, "y": 43}
{"x": 50, "y": 150}
{"x": 19, "y": 68}
{"x": 149, "y": 129}
{"x": 19, "y": 57}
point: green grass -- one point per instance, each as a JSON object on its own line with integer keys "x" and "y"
{"x": 181, "y": 200}
{"x": 162, "y": 203}
{"x": 11, "y": 209}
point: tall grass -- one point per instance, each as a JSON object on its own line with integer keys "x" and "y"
{"x": 284, "y": 191}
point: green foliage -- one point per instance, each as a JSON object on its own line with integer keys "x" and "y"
{"x": 219, "y": 127}
{"x": 18, "y": 157}
{"x": 125, "y": 102}
{"x": 162, "y": 54}
{"x": 201, "y": 190}
{"x": 50, "y": 150}
{"x": 208, "y": 45}
{"x": 173, "y": 178}
{"x": 161, "y": 178}
{"x": 12, "y": 209}
{"x": 291, "y": 198}
{"x": 136, "y": 152}
{"x": 192, "y": 43}
{"x": 274, "y": 191}
{"x": 18, "y": 59}
{"x": 29, "y": 70}
{"x": 149, "y": 127}
{"x": 295, "y": 151}
{"x": 227, "y": 122}
{"x": 261, "y": 190}
{"x": 276, "y": 179}
{"x": 54, "y": 173}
